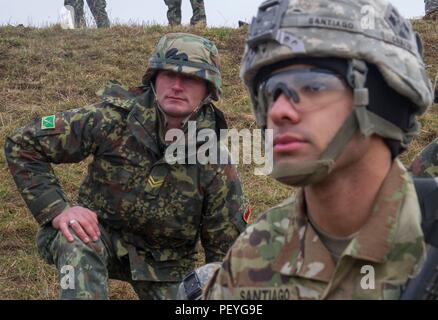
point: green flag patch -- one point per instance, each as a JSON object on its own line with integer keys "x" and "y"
{"x": 48, "y": 122}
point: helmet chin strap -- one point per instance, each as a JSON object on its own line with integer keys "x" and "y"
{"x": 310, "y": 172}
{"x": 165, "y": 115}
{"x": 360, "y": 119}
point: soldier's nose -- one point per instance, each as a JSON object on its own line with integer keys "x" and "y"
{"x": 282, "y": 110}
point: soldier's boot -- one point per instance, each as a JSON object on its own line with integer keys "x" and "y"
{"x": 173, "y": 12}
{"x": 97, "y": 8}
{"x": 199, "y": 18}
{"x": 82, "y": 268}
{"x": 149, "y": 290}
{"x": 79, "y": 17}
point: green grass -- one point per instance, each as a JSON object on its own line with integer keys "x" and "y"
{"x": 51, "y": 69}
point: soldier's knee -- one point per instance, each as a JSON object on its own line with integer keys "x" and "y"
{"x": 53, "y": 246}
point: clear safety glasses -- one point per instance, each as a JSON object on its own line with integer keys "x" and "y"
{"x": 307, "y": 89}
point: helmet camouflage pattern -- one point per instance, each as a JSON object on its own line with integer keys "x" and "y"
{"x": 189, "y": 54}
{"x": 367, "y": 30}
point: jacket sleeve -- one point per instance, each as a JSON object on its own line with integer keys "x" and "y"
{"x": 426, "y": 163}
{"x": 70, "y": 137}
{"x": 223, "y": 218}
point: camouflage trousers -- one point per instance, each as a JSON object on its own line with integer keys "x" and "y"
{"x": 84, "y": 270}
{"x": 97, "y": 8}
{"x": 174, "y": 12}
{"x": 431, "y": 8}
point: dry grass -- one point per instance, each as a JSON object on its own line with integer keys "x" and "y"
{"x": 48, "y": 70}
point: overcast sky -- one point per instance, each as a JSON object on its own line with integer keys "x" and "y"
{"x": 219, "y": 12}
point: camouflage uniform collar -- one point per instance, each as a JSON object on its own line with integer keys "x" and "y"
{"x": 141, "y": 119}
{"x": 396, "y": 217}
{"x": 207, "y": 118}
{"x": 143, "y": 122}
{"x": 117, "y": 95}
{"x": 395, "y": 212}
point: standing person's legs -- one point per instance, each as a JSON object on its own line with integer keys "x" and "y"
{"x": 97, "y": 8}
{"x": 198, "y": 12}
{"x": 78, "y": 6}
{"x": 173, "y": 12}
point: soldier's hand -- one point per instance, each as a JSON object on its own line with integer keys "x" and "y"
{"x": 83, "y": 221}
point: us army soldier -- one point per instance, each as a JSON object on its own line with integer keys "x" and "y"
{"x": 174, "y": 12}
{"x": 97, "y": 8}
{"x": 340, "y": 83}
{"x": 137, "y": 217}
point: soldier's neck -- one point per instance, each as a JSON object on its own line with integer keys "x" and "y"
{"x": 342, "y": 204}
{"x": 173, "y": 123}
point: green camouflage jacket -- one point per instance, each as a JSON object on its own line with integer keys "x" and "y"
{"x": 281, "y": 256}
{"x": 159, "y": 210}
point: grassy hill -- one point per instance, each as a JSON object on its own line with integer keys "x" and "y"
{"x": 47, "y": 70}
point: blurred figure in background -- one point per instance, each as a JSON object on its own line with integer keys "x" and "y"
{"x": 431, "y": 7}
{"x": 174, "y": 12}
{"x": 97, "y": 8}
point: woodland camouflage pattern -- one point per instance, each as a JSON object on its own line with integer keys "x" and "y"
{"x": 94, "y": 264}
{"x": 281, "y": 256}
{"x": 426, "y": 163}
{"x": 176, "y": 52}
{"x": 154, "y": 212}
{"x": 174, "y": 12}
{"x": 97, "y": 8}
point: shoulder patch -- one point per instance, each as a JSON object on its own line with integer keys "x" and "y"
{"x": 48, "y": 122}
{"x": 247, "y": 214}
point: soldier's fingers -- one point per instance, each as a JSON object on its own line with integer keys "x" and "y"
{"x": 90, "y": 229}
{"x": 64, "y": 229}
{"x": 88, "y": 217}
{"x": 96, "y": 222}
{"x": 76, "y": 226}
{"x": 96, "y": 229}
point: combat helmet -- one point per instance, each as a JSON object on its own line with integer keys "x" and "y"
{"x": 362, "y": 32}
{"x": 188, "y": 54}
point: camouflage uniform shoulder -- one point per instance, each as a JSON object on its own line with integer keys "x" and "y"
{"x": 262, "y": 241}
{"x": 274, "y": 223}
{"x": 284, "y": 210}
{"x": 118, "y": 96}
